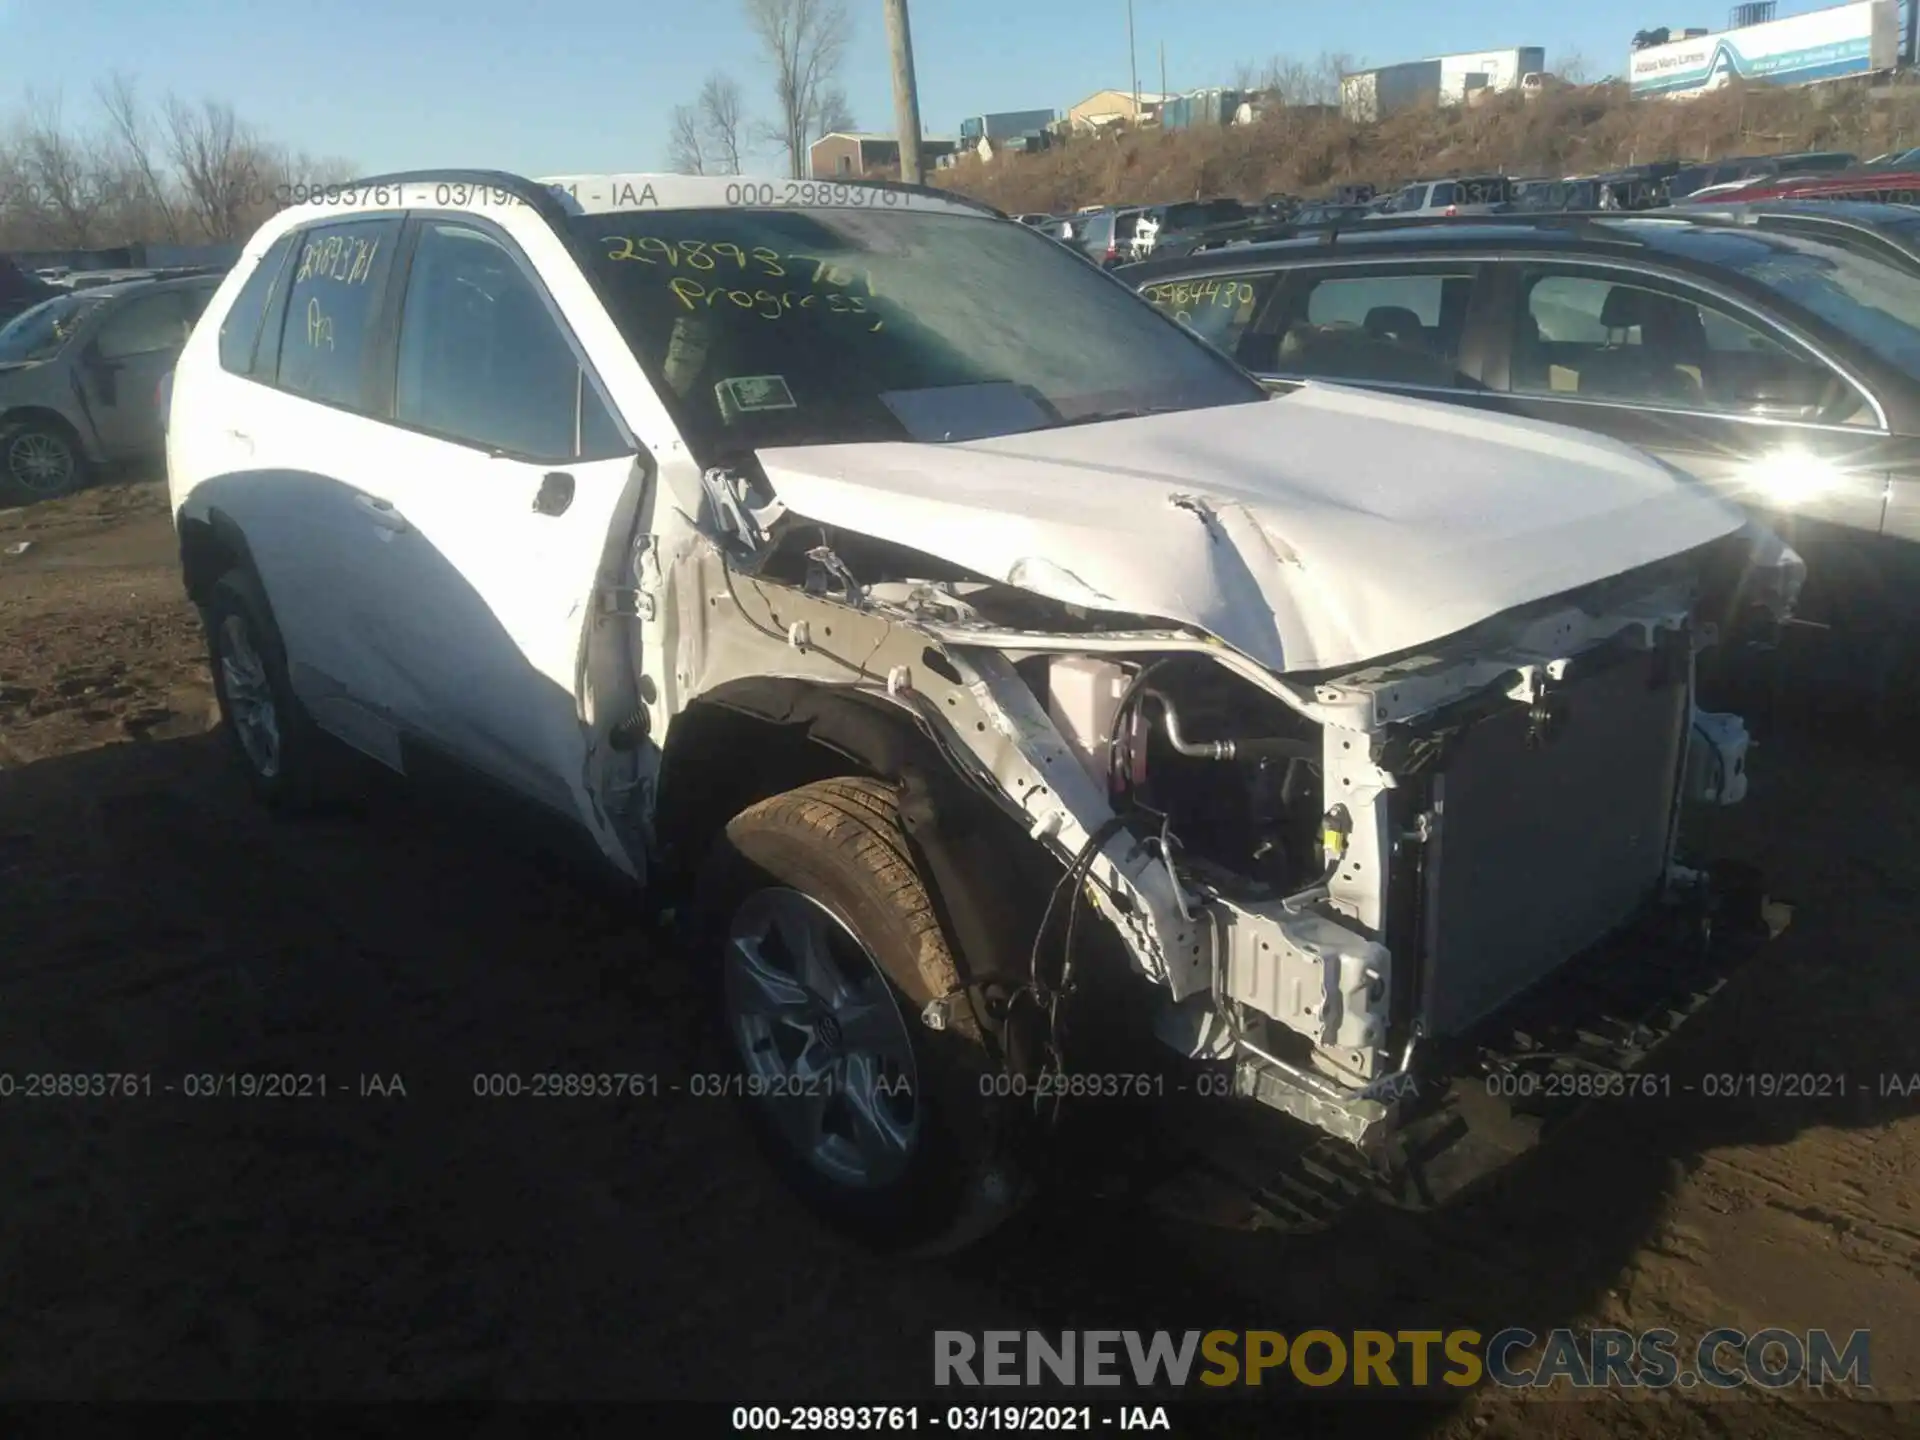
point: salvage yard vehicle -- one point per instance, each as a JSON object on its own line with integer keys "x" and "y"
{"x": 948, "y": 638}
{"x": 78, "y": 375}
{"x": 1764, "y": 359}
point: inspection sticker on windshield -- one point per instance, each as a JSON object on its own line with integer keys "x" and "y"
{"x": 741, "y": 394}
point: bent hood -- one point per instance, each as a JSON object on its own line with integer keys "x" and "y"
{"x": 1323, "y": 528}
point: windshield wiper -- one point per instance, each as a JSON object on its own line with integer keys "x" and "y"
{"x": 1100, "y": 416}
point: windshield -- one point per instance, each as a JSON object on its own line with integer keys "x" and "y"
{"x": 1870, "y": 300}
{"x": 39, "y": 333}
{"x": 813, "y": 327}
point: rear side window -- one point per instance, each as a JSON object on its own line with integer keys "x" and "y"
{"x": 333, "y": 298}
{"x": 240, "y": 331}
{"x": 1390, "y": 328}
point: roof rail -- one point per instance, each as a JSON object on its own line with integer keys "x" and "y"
{"x": 537, "y": 196}
{"x": 1585, "y": 222}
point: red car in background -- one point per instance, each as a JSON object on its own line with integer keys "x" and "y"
{"x": 1880, "y": 187}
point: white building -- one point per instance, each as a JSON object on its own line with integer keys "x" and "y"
{"x": 1460, "y": 75}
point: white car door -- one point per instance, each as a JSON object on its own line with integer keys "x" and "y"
{"x": 311, "y": 497}
{"x": 515, "y": 493}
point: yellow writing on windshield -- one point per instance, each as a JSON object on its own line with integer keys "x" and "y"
{"x": 769, "y": 304}
{"x": 722, "y": 257}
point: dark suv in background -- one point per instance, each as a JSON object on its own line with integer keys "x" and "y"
{"x": 1779, "y": 368}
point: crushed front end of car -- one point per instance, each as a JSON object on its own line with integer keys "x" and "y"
{"x": 1371, "y": 893}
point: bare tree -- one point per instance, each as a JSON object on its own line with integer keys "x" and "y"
{"x": 63, "y": 175}
{"x": 222, "y": 167}
{"x": 831, "y": 115}
{"x": 805, "y": 41}
{"x": 127, "y": 122}
{"x": 722, "y": 121}
{"x": 1573, "y": 68}
{"x": 686, "y": 145}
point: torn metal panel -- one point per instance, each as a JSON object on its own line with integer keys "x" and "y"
{"x": 992, "y": 727}
{"x": 1312, "y": 974}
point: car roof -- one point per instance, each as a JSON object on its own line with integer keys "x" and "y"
{"x": 1660, "y": 236}
{"x": 1856, "y": 212}
{"x": 113, "y": 289}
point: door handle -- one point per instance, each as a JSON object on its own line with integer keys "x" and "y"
{"x": 381, "y": 512}
{"x": 556, "y": 493}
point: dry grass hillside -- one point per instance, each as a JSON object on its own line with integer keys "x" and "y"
{"x": 1567, "y": 132}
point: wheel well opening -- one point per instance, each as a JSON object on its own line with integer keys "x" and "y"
{"x": 25, "y": 415}
{"x": 988, "y": 878}
{"x": 205, "y": 555}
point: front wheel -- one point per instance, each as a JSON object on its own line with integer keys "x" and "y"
{"x": 39, "y": 461}
{"x": 826, "y": 951}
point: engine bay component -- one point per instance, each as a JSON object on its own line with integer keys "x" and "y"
{"x": 1083, "y": 700}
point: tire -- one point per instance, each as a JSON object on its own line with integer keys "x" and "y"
{"x": 39, "y": 461}
{"x": 286, "y": 758}
{"x": 935, "y": 1167}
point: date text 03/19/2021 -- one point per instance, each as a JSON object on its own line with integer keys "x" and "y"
{"x": 199, "y": 1085}
{"x": 954, "y": 1419}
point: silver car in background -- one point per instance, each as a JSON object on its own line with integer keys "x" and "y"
{"x": 80, "y": 377}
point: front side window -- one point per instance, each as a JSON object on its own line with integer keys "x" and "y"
{"x": 333, "y": 298}
{"x": 1386, "y": 327}
{"x": 1217, "y": 308}
{"x": 1873, "y": 302}
{"x": 1592, "y": 337}
{"x": 482, "y": 359}
{"x": 149, "y": 325}
{"x": 807, "y": 327}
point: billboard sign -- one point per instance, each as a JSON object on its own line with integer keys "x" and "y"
{"x": 1845, "y": 40}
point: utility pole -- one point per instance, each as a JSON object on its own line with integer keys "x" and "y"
{"x": 906, "y": 95}
{"x": 1133, "y": 63}
{"x": 1163, "y": 73}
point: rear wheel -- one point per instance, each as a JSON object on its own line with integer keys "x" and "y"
{"x": 826, "y": 951}
{"x": 285, "y": 756}
{"x": 38, "y": 461}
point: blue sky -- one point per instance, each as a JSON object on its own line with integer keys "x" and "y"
{"x": 588, "y": 85}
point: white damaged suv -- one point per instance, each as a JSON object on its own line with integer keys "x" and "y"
{"x": 942, "y": 635}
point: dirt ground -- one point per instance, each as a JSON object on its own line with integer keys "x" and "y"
{"x": 433, "y": 1243}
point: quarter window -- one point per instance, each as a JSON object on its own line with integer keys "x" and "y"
{"x": 483, "y": 360}
{"x": 1593, "y": 338}
{"x": 333, "y": 298}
